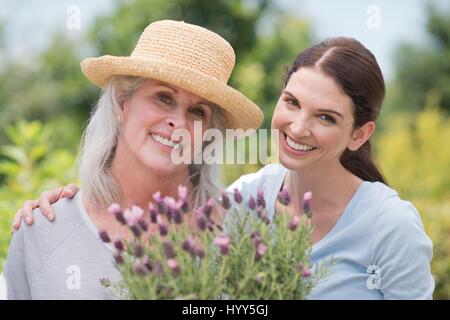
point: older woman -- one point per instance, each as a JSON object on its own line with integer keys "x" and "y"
{"x": 176, "y": 75}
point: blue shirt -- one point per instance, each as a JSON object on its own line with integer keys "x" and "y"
{"x": 379, "y": 245}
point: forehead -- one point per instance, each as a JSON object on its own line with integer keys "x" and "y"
{"x": 313, "y": 88}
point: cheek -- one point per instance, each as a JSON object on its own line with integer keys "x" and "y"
{"x": 280, "y": 117}
{"x": 331, "y": 137}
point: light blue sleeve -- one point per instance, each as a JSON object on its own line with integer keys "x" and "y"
{"x": 403, "y": 251}
{"x": 15, "y": 269}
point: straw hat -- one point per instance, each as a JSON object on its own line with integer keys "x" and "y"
{"x": 187, "y": 56}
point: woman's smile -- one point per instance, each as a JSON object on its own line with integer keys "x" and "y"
{"x": 166, "y": 144}
{"x": 295, "y": 148}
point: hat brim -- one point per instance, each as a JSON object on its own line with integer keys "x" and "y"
{"x": 239, "y": 111}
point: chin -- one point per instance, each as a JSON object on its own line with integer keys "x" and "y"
{"x": 160, "y": 165}
{"x": 293, "y": 164}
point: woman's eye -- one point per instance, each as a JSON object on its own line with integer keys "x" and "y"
{"x": 198, "y": 112}
{"x": 291, "y": 101}
{"x": 165, "y": 98}
{"x": 327, "y": 118}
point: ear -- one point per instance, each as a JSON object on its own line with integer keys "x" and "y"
{"x": 124, "y": 109}
{"x": 361, "y": 135}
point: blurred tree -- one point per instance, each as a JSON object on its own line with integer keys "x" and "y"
{"x": 421, "y": 69}
{"x": 31, "y": 163}
{"x": 50, "y": 83}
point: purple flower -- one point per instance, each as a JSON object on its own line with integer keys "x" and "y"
{"x": 307, "y": 197}
{"x": 260, "y": 251}
{"x": 118, "y": 258}
{"x": 207, "y": 208}
{"x": 142, "y": 224}
{"x": 293, "y": 223}
{"x": 182, "y": 192}
{"x": 307, "y": 273}
{"x": 284, "y": 197}
{"x": 177, "y": 216}
{"x": 262, "y": 215}
{"x": 138, "y": 250}
{"x": 104, "y": 236}
{"x": 171, "y": 206}
{"x": 188, "y": 244}
{"x": 173, "y": 266}
{"x": 136, "y": 230}
{"x": 147, "y": 263}
{"x": 237, "y": 196}
{"x": 169, "y": 250}
{"x": 117, "y": 212}
{"x": 260, "y": 201}
{"x": 133, "y": 215}
{"x": 201, "y": 219}
{"x": 153, "y": 212}
{"x": 184, "y": 200}
{"x": 184, "y": 206}
{"x": 163, "y": 229}
{"x": 303, "y": 270}
{"x": 118, "y": 244}
{"x": 223, "y": 243}
{"x": 210, "y": 225}
{"x": 251, "y": 203}
{"x": 112, "y": 209}
{"x": 199, "y": 251}
{"x": 226, "y": 203}
{"x": 140, "y": 268}
{"x": 162, "y": 209}
{"x": 256, "y": 238}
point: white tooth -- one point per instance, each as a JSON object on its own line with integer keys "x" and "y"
{"x": 164, "y": 141}
{"x": 297, "y": 146}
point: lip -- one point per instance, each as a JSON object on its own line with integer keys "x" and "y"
{"x": 289, "y": 150}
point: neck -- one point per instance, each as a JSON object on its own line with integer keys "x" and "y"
{"x": 332, "y": 186}
{"x": 137, "y": 185}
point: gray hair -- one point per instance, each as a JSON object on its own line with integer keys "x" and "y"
{"x": 99, "y": 142}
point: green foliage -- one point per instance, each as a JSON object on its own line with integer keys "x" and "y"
{"x": 30, "y": 165}
{"x": 414, "y": 158}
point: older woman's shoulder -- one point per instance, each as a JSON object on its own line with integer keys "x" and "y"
{"x": 45, "y": 232}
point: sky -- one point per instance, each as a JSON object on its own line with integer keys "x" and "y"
{"x": 379, "y": 24}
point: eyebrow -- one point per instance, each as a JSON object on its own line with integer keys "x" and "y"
{"x": 320, "y": 110}
{"x": 201, "y": 102}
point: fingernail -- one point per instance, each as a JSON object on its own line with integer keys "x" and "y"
{"x": 50, "y": 216}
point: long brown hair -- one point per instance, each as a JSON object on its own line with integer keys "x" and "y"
{"x": 355, "y": 69}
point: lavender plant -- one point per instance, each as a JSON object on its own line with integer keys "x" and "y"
{"x": 228, "y": 250}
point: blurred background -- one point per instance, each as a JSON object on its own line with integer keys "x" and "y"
{"x": 45, "y": 100}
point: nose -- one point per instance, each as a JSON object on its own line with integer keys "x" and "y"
{"x": 300, "y": 127}
{"x": 177, "y": 120}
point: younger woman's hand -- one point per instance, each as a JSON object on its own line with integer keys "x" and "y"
{"x": 44, "y": 202}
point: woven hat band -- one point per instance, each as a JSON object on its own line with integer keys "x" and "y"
{"x": 189, "y": 46}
